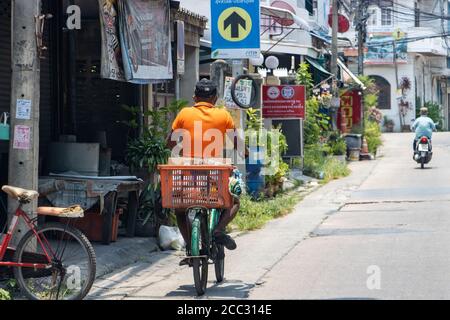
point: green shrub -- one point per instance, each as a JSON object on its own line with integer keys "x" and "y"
{"x": 338, "y": 146}
{"x": 434, "y": 112}
{"x": 254, "y": 214}
{"x": 373, "y": 135}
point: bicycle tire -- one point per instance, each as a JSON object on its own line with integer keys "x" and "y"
{"x": 66, "y": 229}
{"x": 219, "y": 264}
{"x": 199, "y": 242}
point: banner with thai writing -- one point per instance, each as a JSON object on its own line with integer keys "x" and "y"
{"x": 111, "y": 66}
{"x": 145, "y": 40}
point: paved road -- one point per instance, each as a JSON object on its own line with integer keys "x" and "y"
{"x": 390, "y": 241}
{"x": 382, "y": 233}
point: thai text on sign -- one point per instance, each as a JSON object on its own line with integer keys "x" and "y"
{"x": 285, "y": 101}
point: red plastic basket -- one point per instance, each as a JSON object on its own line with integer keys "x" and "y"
{"x": 195, "y": 185}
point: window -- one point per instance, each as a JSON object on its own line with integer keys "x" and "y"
{"x": 386, "y": 16}
{"x": 417, "y": 15}
{"x": 309, "y": 5}
{"x": 372, "y": 21}
{"x": 384, "y": 97}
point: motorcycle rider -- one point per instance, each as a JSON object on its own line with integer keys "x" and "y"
{"x": 424, "y": 127}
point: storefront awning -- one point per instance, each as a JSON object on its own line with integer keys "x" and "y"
{"x": 351, "y": 74}
{"x": 323, "y": 37}
{"x": 317, "y": 65}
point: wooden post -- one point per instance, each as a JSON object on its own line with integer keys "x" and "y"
{"x": 25, "y": 93}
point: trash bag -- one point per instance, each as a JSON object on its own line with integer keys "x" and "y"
{"x": 171, "y": 238}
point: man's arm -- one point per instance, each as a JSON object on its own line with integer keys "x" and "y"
{"x": 433, "y": 125}
{"x": 414, "y": 125}
{"x": 177, "y": 124}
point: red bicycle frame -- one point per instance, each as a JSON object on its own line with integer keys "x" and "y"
{"x": 4, "y": 245}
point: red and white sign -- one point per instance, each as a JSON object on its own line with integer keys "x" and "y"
{"x": 286, "y": 101}
{"x": 22, "y": 137}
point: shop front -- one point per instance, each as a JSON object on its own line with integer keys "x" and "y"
{"x": 84, "y": 116}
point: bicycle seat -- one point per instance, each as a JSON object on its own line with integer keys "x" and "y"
{"x": 20, "y": 194}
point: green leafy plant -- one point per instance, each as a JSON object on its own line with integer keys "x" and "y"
{"x": 316, "y": 123}
{"x": 339, "y": 147}
{"x": 434, "y": 112}
{"x": 147, "y": 151}
{"x": 274, "y": 138}
{"x": 304, "y": 77}
{"x": 150, "y": 148}
{"x": 150, "y": 209}
{"x": 372, "y": 134}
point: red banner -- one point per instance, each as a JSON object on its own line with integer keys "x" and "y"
{"x": 350, "y": 111}
{"x": 286, "y": 101}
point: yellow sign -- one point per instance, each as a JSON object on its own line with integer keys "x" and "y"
{"x": 398, "y": 34}
{"x": 234, "y": 24}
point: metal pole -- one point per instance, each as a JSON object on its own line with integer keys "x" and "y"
{"x": 361, "y": 24}
{"x": 237, "y": 69}
{"x": 334, "y": 57}
{"x": 25, "y": 86}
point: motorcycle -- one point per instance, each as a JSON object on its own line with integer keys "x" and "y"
{"x": 423, "y": 152}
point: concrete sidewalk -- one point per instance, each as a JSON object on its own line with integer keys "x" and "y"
{"x": 123, "y": 252}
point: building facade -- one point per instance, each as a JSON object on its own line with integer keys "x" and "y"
{"x": 418, "y": 72}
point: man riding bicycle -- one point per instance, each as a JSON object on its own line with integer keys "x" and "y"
{"x": 199, "y": 122}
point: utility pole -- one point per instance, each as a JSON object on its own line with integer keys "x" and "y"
{"x": 361, "y": 28}
{"x": 25, "y": 93}
{"x": 334, "y": 63}
{"x": 361, "y": 21}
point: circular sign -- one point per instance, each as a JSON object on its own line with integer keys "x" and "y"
{"x": 283, "y": 5}
{"x": 287, "y": 93}
{"x": 234, "y": 24}
{"x": 273, "y": 93}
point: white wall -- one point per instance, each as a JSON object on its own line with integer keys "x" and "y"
{"x": 388, "y": 72}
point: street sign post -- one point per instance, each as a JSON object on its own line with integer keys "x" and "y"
{"x": 235, "y": 27}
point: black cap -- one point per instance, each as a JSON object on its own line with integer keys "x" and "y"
{"x": 205, "y": 89}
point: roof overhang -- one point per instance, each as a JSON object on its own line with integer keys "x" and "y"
{"x": 351, "y": 74}
{"x": 285, "y": 14}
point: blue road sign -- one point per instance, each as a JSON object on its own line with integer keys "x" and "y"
{"x": 235, "y": 26}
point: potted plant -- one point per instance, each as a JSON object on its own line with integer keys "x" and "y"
{"x": 150, "y": 212}
{"x": 144, "y": 153}
{"x": 388, "y": 124}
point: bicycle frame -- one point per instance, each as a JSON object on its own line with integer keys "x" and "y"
{"x": 7, "y": 239}
{"x": 213, "y": 216}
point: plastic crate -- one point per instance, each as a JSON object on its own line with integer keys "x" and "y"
{"x": 205, "y": 186}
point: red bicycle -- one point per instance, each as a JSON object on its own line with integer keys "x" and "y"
{"x": 53, "y": 260}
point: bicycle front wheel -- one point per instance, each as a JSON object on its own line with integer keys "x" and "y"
{"x": 199, "y": 246}
{"x": 72, "y": 270}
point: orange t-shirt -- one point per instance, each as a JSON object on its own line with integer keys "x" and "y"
{"x": 198, "y": 120}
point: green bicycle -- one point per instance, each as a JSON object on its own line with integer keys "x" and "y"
{"x": 203, "y": 248}
{"x": 203, "y": 192}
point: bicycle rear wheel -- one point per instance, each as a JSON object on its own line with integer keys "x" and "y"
{"x": 199, "y": 246}
{"x": 73, "y": 266}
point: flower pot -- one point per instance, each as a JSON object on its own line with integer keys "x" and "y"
{"x": 353, "y": 141}
{"x": 354, "y": 154}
